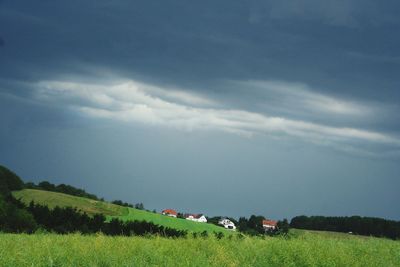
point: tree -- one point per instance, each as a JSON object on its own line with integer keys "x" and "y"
{"x": 47, "y": 186}
{"x": 9, "y": 181}
{"x": 14, "y": 219}
{"x": 283, "y": 226}
{"x": 30, "y": 185}
{"x": 242, "y": 224}
{"x": 139, "y": 206}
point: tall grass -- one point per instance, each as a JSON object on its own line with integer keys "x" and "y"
{"x": 307, "y": 249}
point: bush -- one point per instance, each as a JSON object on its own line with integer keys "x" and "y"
{"x": 14, "y": 219}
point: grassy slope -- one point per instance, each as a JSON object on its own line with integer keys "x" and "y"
{"x": 307, "y": 249}
{"x": 89, "y": 206}
{"x": 134, "y": 214}
{"x": 53, "y": 199}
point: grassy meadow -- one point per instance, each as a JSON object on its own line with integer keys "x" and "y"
{"x": 52, "y": 199}
{"x": 303, "y": 249}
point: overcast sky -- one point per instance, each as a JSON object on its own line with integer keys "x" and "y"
{"x": 278, "y": 108}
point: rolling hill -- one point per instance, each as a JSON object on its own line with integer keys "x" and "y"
{"x": 91, "y": 207}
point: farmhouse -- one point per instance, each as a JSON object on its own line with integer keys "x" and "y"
{"x": 170, "y": 212}
{"x": 195, "y": 217}
{"x": 269, "y": 225}
{"x": 228, "y": 224}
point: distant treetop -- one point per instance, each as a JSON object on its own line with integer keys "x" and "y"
{"x": 61, "y": 188}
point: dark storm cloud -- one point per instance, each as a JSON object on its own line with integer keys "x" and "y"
{"x": 320, "y": 61}
{"x": 195, "y": 43}
{"x": 342, "y": 13}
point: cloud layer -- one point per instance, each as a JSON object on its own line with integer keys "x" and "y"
{"x": 132, "y": 101}
{"x": 299, "y": 97}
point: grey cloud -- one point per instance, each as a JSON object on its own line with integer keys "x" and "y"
{"x": 343, "y": 13}
{"x": 196, "y": 46}
{"x": 340, "y": 13}
{"x": 130, "y": 101}
{"x": 375, "y": 58}
{"x": 190, "y": 43}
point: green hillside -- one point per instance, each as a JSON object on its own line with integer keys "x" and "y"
{"x": 177, "y": 223}
{"x": 53, "y": 199}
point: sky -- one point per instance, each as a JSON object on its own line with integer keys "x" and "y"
{"x": 277, "y": 108}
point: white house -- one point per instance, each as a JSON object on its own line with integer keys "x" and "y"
{"x": 228, "y": 224}
{"x": 196, "y": 217}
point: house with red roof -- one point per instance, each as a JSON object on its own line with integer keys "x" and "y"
{"x": 170, "y": 212}
{"x": 269, "y": 224}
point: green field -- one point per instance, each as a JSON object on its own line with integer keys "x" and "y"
{"x": 177, "y": 223}
{"x": 306, "y": 249}
{"x": 89, "y": 206}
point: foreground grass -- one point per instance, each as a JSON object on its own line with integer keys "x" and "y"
{"x": 307, "y": 249}
{"x": 91, "y": 207}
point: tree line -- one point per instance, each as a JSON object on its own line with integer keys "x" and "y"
{"x": 368, "y": 226}
{"x": 138, "y": 206}
{"x": 61, "y": 188}
{"x": 68, "y": 220}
